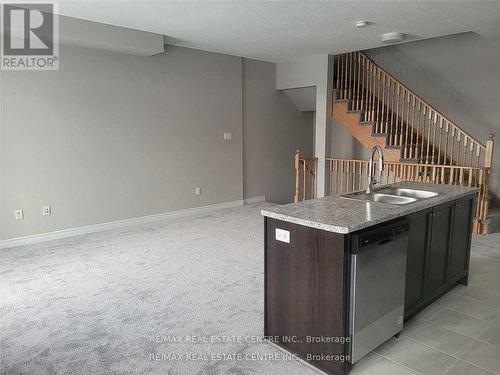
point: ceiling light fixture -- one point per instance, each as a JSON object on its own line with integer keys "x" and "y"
{"x": 392, "y": 37}
{"x": 361, "y": 24}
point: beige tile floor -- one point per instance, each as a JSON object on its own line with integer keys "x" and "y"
{"x": 459, "y": 334}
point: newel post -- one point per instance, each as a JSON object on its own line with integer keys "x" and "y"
{"x": 488, "y": 158}
{"x": 483, "y": 205}
{"x": 297, "y": 176}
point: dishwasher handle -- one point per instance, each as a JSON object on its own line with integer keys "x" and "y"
{"x": 377, "y": 236}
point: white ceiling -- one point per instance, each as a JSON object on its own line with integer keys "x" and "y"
{"x": 281, "y": 30}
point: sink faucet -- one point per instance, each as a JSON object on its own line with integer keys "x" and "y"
{"x": 371, "y": 179}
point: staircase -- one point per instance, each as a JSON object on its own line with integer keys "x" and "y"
{"x": 376, "y": 108}
{"x": 419, "y": 142}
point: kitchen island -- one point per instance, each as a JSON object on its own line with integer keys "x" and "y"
{"x": 327, "y": 258}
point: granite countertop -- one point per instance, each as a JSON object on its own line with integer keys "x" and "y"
{"x": 346, "y": 215}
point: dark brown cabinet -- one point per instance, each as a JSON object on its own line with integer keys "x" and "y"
{"x": 438, "y": 252}
{"x": 306, "y": 281}
{"x": 440, "y": 236}
{"x": 461, "y": 240}
{"x": 416, "y": 262}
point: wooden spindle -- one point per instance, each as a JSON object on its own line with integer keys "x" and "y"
{"x": 338, "y": 73}
{"x": 434, "y": 127}
{"x": 440, "y": 139}
{"x": 346, "y": 77}
{"x": 351, "y": 74}
{"x": 446, "y": 132}
{"x": 402, "y": 116}
{"x": 412, "y": 130}
{"x": 372, "y": 112}
{"x": 358, "y": 99}
{"x": 453, "y": 140}
{"x": 429, "y": 129}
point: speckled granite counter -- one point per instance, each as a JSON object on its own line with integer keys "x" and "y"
{"x": 345, "y": 215}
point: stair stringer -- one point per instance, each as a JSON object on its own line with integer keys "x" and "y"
{"x": 361, "y": 130}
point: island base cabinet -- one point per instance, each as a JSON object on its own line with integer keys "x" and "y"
{"x": 306, "y": 293}
{"x": 307, "y": 279}
{"x": 438, "y": 252}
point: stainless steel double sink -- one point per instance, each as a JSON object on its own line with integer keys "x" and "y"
{"x": 393, "y": 195}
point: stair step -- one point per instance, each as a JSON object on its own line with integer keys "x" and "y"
{"x": 492, "y": 222}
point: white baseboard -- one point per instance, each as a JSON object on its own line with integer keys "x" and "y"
{"x": 26, "y": 240}
{"x": 251, "y": 200}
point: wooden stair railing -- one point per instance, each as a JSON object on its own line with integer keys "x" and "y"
{"x": 411, "y": 125}
{"x": 348, "y": 175}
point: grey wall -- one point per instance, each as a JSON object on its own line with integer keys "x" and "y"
{"x": 273, "y": 128}
{"x": 112, "y": 136}
{"x": 458, "y": 74}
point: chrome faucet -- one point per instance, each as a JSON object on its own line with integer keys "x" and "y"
{"x": 371, "y": 179}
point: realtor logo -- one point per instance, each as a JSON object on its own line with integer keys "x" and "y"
{"x": 30, "y": 36}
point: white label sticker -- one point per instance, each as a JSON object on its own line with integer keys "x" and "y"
{"x": 282, "y": 235}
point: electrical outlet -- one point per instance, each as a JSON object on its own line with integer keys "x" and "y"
{"x": 46, "y": 210}
{"x": 197, "y": 191}
{"x": 228, "y": 136}
{"x": 19, "y": 214}
{"x": 282, "y": 235}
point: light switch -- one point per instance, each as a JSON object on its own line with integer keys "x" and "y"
{"x": 228, "y": 136}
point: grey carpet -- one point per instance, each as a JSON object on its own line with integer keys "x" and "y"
{"x": 105, "y": 303}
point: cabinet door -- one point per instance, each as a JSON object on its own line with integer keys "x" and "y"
{"x": 415, "y": 262}
{"x": 439, "y": 246}
{"x": 461, "y": 237}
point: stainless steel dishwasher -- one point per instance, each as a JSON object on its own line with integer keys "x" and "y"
{"x": 377, "y": 286}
